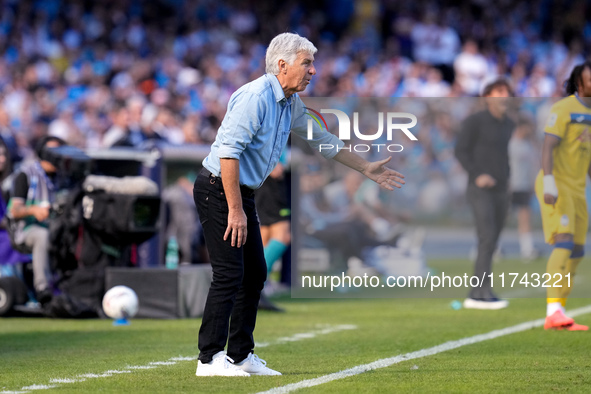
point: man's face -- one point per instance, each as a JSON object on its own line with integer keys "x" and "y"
{"x": 497, "y": 99}
{"x": 299, "y": 74}
{"x": 585, "y": 83}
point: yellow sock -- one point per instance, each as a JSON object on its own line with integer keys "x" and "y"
{"x": 552, "y": 300}
{"x": 571, "y": 268}
{"x": 557, "y": 265}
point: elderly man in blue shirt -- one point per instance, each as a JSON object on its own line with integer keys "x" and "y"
{"x": 248, "y": 145}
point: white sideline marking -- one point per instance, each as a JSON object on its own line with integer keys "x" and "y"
{"x": 116, "y": 372}
{"x": 141, "y": 367}
{"x": 94, "y": 375}
{"x": 66, "y": 380}
{"x": 308, "y": 335}
{"x": 184, "y": 358}
{"x": 323, "y": 330}
{"x": 386, "y": 362}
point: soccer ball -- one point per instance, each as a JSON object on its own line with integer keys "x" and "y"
{"x": 120, "y": 302}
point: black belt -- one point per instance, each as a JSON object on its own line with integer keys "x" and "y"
{"x": 213, "y": 179}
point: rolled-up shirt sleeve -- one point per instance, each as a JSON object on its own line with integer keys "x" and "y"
{"x": 327, "y": 144}
{"x": 242, "y": 121}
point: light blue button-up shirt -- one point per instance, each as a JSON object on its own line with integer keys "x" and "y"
{"x": 256, "y": 127}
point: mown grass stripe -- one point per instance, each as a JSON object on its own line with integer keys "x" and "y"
{"x": 444, "y": 347}
{"x": 173, "y": 360}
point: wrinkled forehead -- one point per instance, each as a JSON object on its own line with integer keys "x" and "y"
{"x": 303, "y": 55}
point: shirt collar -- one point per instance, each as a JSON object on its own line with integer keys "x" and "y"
{"x": 277, "y": 89}
{"x": 581, "y": 101}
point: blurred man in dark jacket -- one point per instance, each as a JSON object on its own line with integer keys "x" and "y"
{"x": 482, "y": 149}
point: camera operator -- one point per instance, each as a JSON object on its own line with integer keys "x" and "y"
{"x": 31, "y": 198}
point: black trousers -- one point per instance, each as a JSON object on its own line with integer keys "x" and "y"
{"x": 489, "y": 207}
{"x": 239, "y": 274}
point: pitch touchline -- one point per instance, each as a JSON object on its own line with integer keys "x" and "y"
{"x": 386, "y": 362}
{"x": 308, "y": 335}
{"x": 53, "y": 383}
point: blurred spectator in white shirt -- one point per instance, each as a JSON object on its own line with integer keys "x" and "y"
{"x": 448, "y": 45}
{"x": 471, "y": 68}
{"x": 539, "y": 84}
{"x": 119, "y": 116}
{"x": 425, "y": 39}
{"x": 434, "y": 86}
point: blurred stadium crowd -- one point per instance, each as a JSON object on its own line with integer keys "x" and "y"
{"x": 106, "y": 73}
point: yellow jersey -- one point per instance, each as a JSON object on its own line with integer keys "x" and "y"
{"x": 570, "y": 121}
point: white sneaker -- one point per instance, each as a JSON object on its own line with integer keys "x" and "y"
{"x": 220, "y": 365}
{"x": 485, "y": 304}
{"x": 255, "y": 366}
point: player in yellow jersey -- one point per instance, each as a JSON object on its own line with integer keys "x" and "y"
{"x": 560, "y": 187}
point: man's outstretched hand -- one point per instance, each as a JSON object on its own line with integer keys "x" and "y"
{"x": 384, "y": 176}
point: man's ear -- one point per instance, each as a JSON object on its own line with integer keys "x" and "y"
{"x": 282, "y": 66}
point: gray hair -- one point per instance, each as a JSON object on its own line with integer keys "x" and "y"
{"x": 286, "y": 46}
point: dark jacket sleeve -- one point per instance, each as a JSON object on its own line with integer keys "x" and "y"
{"x": 20, "y": 188}
{"x": 465, "y": 145}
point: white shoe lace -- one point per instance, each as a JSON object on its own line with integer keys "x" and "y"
{"x": 256, "y": 360}
{"x": 228, "y": 363}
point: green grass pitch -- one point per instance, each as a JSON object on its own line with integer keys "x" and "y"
{"x": 34, "y": 352}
